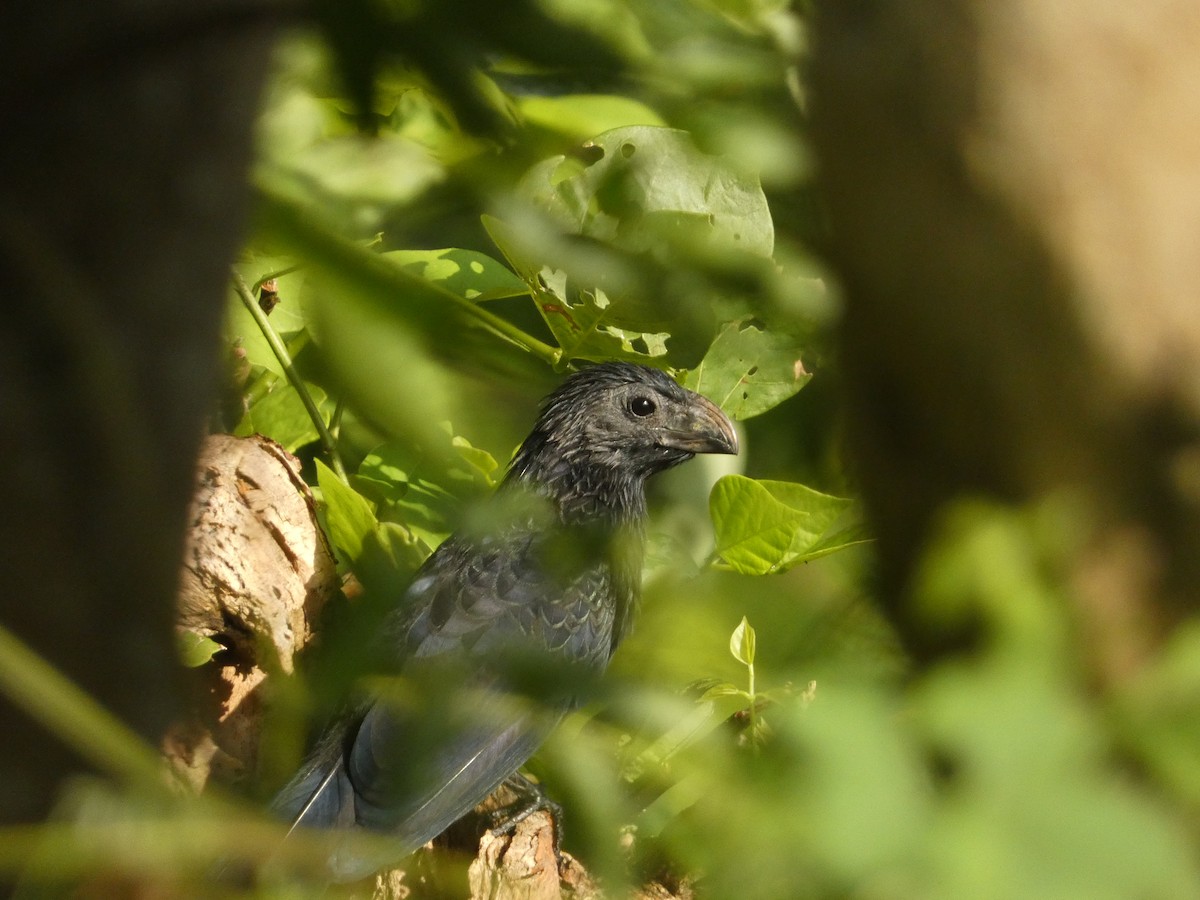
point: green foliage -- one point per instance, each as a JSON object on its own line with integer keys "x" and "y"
{"x": 580, "y": 213}
{"x": 349, "y": 518}
{"x": 763, "y": 527}
{"x": 196, "y": 649}
{"x": 748, "y": 370}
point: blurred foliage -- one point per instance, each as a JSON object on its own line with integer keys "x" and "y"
{"x": 457, "y": 202}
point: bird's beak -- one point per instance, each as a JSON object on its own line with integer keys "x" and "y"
{"x": 703, "y": 428}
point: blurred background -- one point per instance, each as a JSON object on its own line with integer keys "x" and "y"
{"x": 931, "y": 633}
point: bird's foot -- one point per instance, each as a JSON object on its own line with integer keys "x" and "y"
{"x": 531, "y": 798}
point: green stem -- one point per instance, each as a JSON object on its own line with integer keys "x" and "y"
{"x": 289, "y": 369}
{"x": 507, "y": 330}
{"x": 326, "y": 250}
{"x": 266, "y": 381}
{"x": 335, "y": 421}
{"x": 753, "y": 709}
{"x": 278, "y": 274}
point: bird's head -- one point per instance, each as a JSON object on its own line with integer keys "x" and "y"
{"x": 621, "y": 420}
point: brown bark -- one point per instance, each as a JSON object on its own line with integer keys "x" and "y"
{"x": 257, "y": 571}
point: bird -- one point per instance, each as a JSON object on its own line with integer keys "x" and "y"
{"x": 506, "y": 619}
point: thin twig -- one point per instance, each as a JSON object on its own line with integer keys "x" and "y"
{"x": 335, "y": 421}
{"x": 285, "y": 361}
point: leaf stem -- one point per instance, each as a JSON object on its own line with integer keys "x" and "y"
{"x": 289, "y": 369}
{"x": 335, "y": 421}
{"x": 327, "y": 250}
{"x": 753, "y": 708}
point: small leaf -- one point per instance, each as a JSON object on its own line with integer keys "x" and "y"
{"x": 477, "y": 458}
{"x": 742, "y": 643}
{"x": 196, "y": 649}
{"x": 348, "y": 514}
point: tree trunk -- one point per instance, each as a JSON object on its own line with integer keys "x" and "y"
{"x": 127, "y": 135}
{"x": 1015, "y": 204}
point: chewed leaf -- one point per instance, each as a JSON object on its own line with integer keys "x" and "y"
{"x": 748, "y": 370}
{"x": 585, "y": 322}
{"x": 643, "y": 184}
{"x": 468, "y": 273}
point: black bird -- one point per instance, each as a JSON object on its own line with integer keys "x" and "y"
{"x": 547, "y": 585}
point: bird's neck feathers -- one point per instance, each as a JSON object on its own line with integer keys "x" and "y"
{"x": 582, "y": 486}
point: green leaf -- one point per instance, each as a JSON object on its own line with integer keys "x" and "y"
{"x": 579, "y": 116}
{"x": 583, "y": 321}
{"x": 395, "y": 547}
{"x": 424, "y": 491}
{"x": 347, "y": 513}
{"x": 769, "y": 526}
{"x": 472, "y": 275}
{"x": 196, "y": 649}
{"x": 645, "y": 186}
{"x": 476, "y": 457}
{"x": 748, "y": 371}
{"x": 852, "y": 535}
{"x": 286, "y": 318}
{"x": 742, "y": 643}
{"x": 643, "y": 191}
{"x": 281, "y": 416}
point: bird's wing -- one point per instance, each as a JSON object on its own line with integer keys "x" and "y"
{"x": 412, "y": 764}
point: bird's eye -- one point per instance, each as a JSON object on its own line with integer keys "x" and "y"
{"x": 641, "y": 406}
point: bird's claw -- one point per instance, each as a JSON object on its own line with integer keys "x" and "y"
{"x": 531, "y": 798}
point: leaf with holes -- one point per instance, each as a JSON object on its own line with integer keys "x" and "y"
{"x": 582, "y": 321}
{"x": 643, "y": 191}
{"x": 472, "y": 275}
{"x": 642, "y": 186}
{"x": 764, "y": 527}
{"x": 748, "y": 370}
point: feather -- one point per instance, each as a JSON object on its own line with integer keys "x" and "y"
{"x": 550, "y": 586}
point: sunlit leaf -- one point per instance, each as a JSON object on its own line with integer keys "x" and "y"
{"x": 770, "y": 526}
{"x": 347, "y": 513}
{"x": 580, "y": 116}
{"x": 282, "y": 416}
{"x": 742, "y": 643}
{"x": 470, "y": 274}
{"x": 643, "y": 185}
{"x": 749, "y": 370}
{"x": 196, "y": 649}
{"x": 582, "y": 320}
